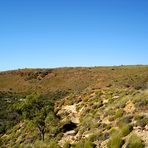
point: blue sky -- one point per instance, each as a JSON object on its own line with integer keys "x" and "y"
{"x": 58, "y": 33}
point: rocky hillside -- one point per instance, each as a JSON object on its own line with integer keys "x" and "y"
{"x": 102, "y": 107}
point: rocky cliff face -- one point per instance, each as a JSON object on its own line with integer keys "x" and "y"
{"x": 98, "y": 113}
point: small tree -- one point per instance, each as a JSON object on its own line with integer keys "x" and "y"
{"x": 39, "y": 121}
{"x": 36, "y": 108}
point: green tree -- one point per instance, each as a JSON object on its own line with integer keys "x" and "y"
{"x": 36, "y": 107}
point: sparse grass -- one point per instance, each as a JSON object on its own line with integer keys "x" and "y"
{"x": 119, "y": 113}
{"x": 53, "y": 144}
{"x": 85, "y": 144}
{"x": 125, "y": 129}
{"x": 141, "y": 120}
{"x": 66, "y": 145}
{"x": 102, "y": 92}
{"x": 115, "y": 140}
{"x": 135, "y": 142}
{"x": 125, "y": 119}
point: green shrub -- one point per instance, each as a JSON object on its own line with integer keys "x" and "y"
{"x": 135, "y": 142}
{"x": 96, "y": 137}
{"x": 95, "y": 125}
{"x": 108, "y": 126}
{"x": 125, "y": 129}
{"x": 119, "y": 113}
{"x": 85, "y": 144}
{"x": 125, "y": 119}
{"x": 110, "y": 112}
{"x": 88, "y": 144}
{"x": 80, "y": 144}
{"x": 67, "y": 145}
{"x": 141, "y": 100}
{"x": 53, "y": 144}
{"x": 141, "y": 121}
{"x": 113, "y": 131}
{"x": 115, "y": 140}
{"x": 111, "y": 118}
{"x": 121, "y": 103}
{"x": 38, "y": 144}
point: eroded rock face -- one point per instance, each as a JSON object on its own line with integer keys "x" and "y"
{"x": 73, "y": 114}
{"x": 143, "y": 133}
{"x": 67, "y": 137}
{"x": 130, "y": 107}
{"x": 69, "y": 111}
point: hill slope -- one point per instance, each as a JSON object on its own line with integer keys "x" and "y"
{"x": 74, "y": 107}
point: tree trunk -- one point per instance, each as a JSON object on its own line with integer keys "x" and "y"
{"x": 43, "y": 133}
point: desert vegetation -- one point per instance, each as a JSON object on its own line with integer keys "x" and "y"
{"x": 75, "y": 107}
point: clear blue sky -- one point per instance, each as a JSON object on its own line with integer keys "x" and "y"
{"x": 57, "y": 33}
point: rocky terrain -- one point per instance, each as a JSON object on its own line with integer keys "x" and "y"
{"x": 102, "y": 107}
